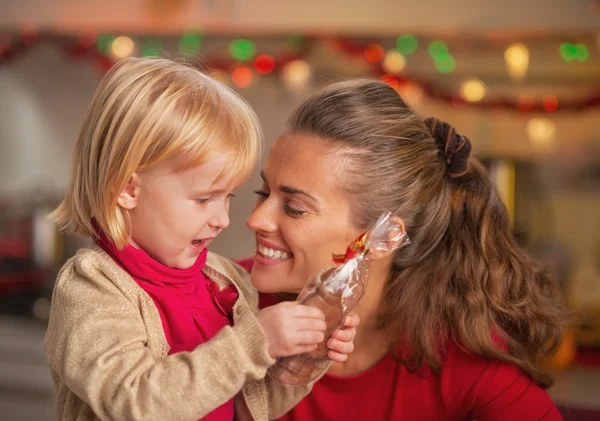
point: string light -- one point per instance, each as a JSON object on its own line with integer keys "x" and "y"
{"x": 264, "y": 64}
{"x": 295, "y": 41}
{"x": 438, "y": 50}
{"x": 152, "y": 47}
{"x": 444, "y": 61}
{"x": 550, "y": 103}
{"x": 393, "y": 62}
{"x": 104, "y": 43}
{"x": 5, "y": 42}
{"x": 472, "y": 90}
{"x": 242, "y": 49}
{"x": 391, "y": 80}
{"x": 122, "y": 47}
{"x": 241, "y": 77}
{"x": 189, "y": 43}
{"x": 29, "y": 33}
{"x": 582, "y": 52}
{"x": 296, "y": 74}
{"x": 570, "y": 52}
{"x": 541, "y": 131}
{"x": 406, "y": 44}
{"x": 374, "y": 53}
{"x": 446, "y": 64}
{"x": 525, "y": 102}
{"x": 516, "y": 57}
{"x": 88, "y": 37}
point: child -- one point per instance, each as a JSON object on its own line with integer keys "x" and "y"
{"x": 146, "y": 324}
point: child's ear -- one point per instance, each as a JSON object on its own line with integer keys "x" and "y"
{"x": 396, "y": 238}
{"x": 128, "y": 198}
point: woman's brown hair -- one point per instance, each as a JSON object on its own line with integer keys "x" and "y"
{"x": 463, "y": 277}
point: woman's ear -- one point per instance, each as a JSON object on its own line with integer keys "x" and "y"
{"x": 129, "y": 197}
{"x": 395, "y": 239}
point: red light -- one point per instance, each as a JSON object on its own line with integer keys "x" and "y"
{"x": 264, "y": 64}
{"x": 550, "y": 103}
{"x": 88, "y": 37}
{"x": 404, "y": 88}
{"x": 241, "y": 77}
{"x": 374, "y": 53}
{"x": 525, "y": 103}
{"x": 391, "y": 80}
{"x": 5, "y": 41}
{"x": 29, "y": 33}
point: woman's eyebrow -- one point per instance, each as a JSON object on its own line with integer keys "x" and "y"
{"x": 290, "y": 190}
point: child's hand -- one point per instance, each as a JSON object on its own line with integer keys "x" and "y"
{"x": 292, "y": 328}
{"x": 341, "y": 343}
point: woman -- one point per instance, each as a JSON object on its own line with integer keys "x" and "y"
{"x": 454, "y": 325}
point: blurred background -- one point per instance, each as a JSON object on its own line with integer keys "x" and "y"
{"x": 520, "y": 78}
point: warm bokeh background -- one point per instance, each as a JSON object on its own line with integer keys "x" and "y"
{"x": 520, "y": 78}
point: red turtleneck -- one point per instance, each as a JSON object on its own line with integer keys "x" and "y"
{"x": 191, "y": 307}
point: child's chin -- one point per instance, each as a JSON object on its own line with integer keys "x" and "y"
{"x": 185, "y": 262}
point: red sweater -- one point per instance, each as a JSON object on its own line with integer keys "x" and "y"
{"x": 469, "y": 387}
{"x": 191, "y": 307}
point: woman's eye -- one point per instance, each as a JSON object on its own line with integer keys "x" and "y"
{"x": 204, "y": 200}
{"x": 262, "y": 195}
{"x": 292, "y": 211}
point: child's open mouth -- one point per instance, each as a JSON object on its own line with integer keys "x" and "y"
{"x": 201, "y": 243}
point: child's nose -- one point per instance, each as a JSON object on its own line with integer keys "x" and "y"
{"x": 220, "y": 218}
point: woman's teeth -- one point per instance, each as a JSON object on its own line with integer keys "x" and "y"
{"x": 273, "y": 254}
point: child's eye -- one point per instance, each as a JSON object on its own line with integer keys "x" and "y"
{"x": 293, "y": 212}
{"x": 204, "y": 200}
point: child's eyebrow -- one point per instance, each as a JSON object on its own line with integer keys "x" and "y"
{"x": 210, "y": 192}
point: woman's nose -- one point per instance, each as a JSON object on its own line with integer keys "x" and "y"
{"x": 262, "y": 218}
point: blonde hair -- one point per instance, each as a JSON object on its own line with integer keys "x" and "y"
{"x": 144, "y": 112}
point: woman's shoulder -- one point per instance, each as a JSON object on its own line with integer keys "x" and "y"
{"x": 483, "y": 386}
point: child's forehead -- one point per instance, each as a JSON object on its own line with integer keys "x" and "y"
{"x": 215, "y": 172}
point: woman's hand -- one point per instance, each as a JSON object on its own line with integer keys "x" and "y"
{"x": 341, "y": 342}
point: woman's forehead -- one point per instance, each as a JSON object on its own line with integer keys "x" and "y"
{"x": 304, "y": 162}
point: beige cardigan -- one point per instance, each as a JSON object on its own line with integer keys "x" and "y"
{"x": 109, "y": 357}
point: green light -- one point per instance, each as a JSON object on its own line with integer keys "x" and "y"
{"x": 438, "y": 50}
{"x": 104, "y": 42}
{"x": 152, "y": 48}
{"x": 445, "y": 64}
{"x": 242, "y": 49}
{"x": 190, "y": 43}
{"x": 568, "y": 51}
{"x": 582, "y": 52}
{"x": 406, "y": 44}
{"x": 295, "y": 41}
